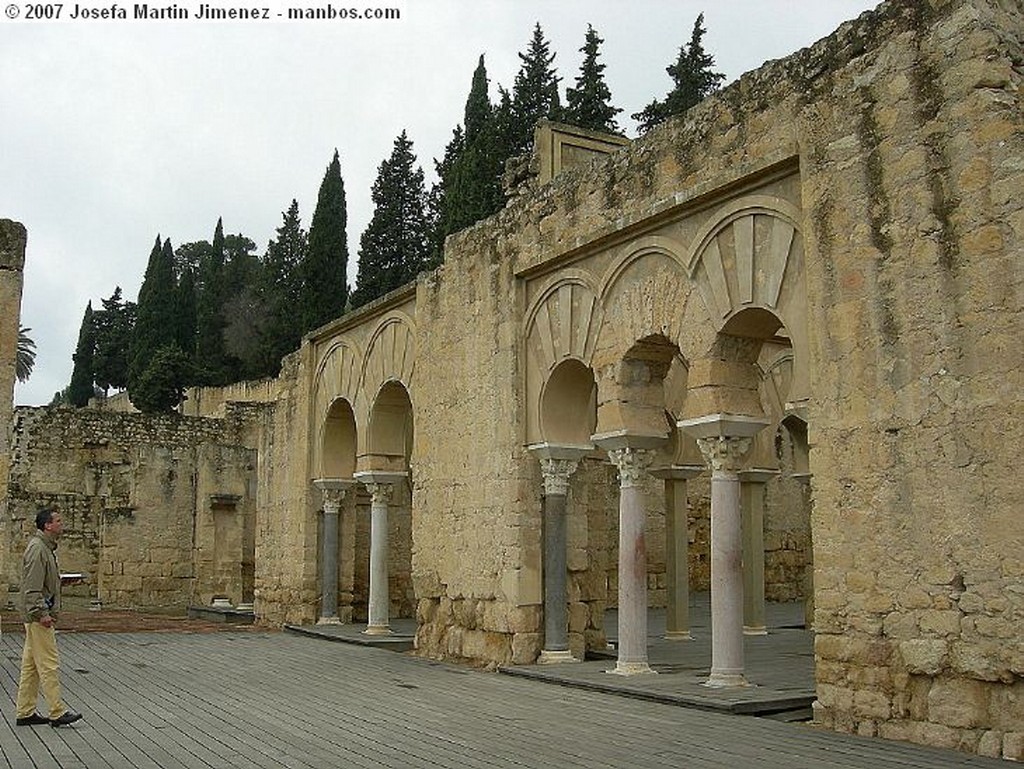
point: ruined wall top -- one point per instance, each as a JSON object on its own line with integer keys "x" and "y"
{"x": 13, "y": 238}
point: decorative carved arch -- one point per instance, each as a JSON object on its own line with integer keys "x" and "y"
{"x": 390, "y": 355}
{"x": 646, "y": 289}
{"x": 337, "y": 378}
{"x": 563, "y": 321}
{"x": 741, "y": 258}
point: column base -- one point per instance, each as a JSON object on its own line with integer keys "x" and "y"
{"x": 329, "y": 621}
{"x": 726, "y": 681}
{"x": 756, "y": 630}
{"x": 377, "y": 630}
{"x": 677, "y": 635}
{"x": 549, "y": 657}
{"x": 632, "y": 669}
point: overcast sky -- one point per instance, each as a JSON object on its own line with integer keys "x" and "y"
{"x": 113, "y": 132}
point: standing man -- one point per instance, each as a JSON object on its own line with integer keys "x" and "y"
{"x": 40, "y": 602}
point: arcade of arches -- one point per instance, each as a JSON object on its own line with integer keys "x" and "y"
{"x": 770, "y": 349}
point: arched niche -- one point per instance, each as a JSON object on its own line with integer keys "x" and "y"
{"x": 569, "y": 404}
{"x": 390, "y": 429}
{"x": 338, "y": 441}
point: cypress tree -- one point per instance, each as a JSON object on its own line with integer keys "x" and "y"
{"x": 469, "y": 175}
{"x": 113, "y": 326}
{"x": 279, "y": 290}
{"x": 81, "y": 387}
{"x": 534, "y": 92}
{"x": 588, "y": 105}
{"x": 209, "y": 347}
{"x": 324, "y": 282}
{"x": 155, "y": 325}
{"x": 693, "y": 77}
{"x": 394, "y": 248}
{"x": 185, "y": 309}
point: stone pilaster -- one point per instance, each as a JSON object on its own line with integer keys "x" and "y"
{"x": 677, "y": 549}
{"x": 752, "y": 490}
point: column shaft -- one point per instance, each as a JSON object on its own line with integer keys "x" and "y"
{"x": 752, "y": 503}
{"x": 379, "y": 601}
{"x": 329, "y": 566}
{"x": 556, "y": 610}
{"x": 677, "y": 561}
{"x": 726, "y": 582}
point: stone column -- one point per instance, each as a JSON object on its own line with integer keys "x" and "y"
{"x": 677, "y": 549}
{"x": 632, "y": 463}
{"x": 380, "y": 600}
{"x": 724, "y": 440}
{"x": 333, "y": 490}
{"x": 752, "y": 489}
{"x": 557, "y": 463}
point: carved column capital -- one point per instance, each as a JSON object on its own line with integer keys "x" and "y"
{"x": 380, "y": 492}
{"x": 332, "y": 491}
{"x": 632, "y": 464}
{"x": 556, "y": 475}
{"x": 724, "y": 453}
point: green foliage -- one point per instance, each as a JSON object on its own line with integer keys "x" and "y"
{"x": 693, "y": 79}
{"x": 469, "y": 174}
{"x": 534, "y": 92}
{"x": 324, "y": 282}
{"x": 113, "y": 327}
{"x": 160, "y": 387}
{"x": 394, "y": 248}
{"x": 81, "y": 387}
{"x": 279, "y": 286}
{"x": 209, "y": 340}
{"x": 25, "y": 355}
{"x": 155, "y": 326}
{"x": 588, "y": 105}
{"x": 185, "y": 309}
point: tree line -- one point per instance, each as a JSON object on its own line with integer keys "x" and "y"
{"x": 214, "y": 312}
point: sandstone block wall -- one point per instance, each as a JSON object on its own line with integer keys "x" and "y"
{"x": 139, "y": 496}
{"x": 13, "y": 239}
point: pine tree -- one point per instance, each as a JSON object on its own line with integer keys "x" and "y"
{"x": 324, "y": 282}
{"x": 394, "y": 248}
{"x": 81, "y": 388}
{"x": 535, "y": 92}
{"x": 113, "y": 327}
{"x": 279, "y": 286}
{"x": 693, "y": 79}
{"x": 155, "y": 326}
{"x": 209, "y": 347}
{"x": 588, "y": 105}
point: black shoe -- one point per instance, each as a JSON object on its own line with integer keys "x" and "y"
{"x": 68, "y": 718}
{"x": 33, "y": 720}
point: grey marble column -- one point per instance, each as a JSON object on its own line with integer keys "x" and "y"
{"x": 557, "y": 463}
{"x": 632, "y": 464}
{"x": 677, "y": 549}
{"x": 752, "y": 490}
{"x": 333, "y": 490}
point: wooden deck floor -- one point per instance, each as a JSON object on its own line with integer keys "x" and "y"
{"x": 263, "y": 699}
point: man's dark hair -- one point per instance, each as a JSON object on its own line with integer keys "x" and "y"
{"x": 43, "y": 517}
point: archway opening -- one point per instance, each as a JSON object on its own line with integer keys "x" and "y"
{"x": 338, "y": 441}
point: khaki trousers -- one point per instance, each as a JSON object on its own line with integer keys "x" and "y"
{"x": 39, "y": 671}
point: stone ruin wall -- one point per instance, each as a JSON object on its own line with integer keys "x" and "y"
{"x": 13, "y": 239}
{"x": 907, "y": 127}
{"x": 159, "y": 511}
